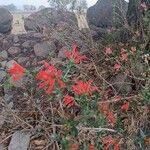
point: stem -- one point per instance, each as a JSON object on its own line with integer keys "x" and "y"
{"x": 69, "y": 65}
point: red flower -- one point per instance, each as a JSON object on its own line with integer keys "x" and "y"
{"x": 125, "y": 106}
{"x": 91, "y": 147}
{"x": 117, "y": 98}
{"x": 16, "y": 71}
{"x": 74, "y": 55}
{"x": 68, "y": 101}
{"x": 50, "y": 75}
{"x": 117, "y": 67}
{"x": 133, "y": 49}
{"x": 144, "y": 6}
{"x": 108, "y": 50}
{"x": 123, "y": 55}
{"x": 108, "y": 141}
{"x": 116, "y": 146}
{"x": 105, "y": 109}
{"x": 74, "y": 147}
{"x": 111, "y": 118}
{"x": 83, "y": 88}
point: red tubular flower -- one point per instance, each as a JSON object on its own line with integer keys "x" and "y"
{"x": 108, "y": 50}
{"x": 16, "y": 71}
{"x": 68, "y": 101}
{"x": 108, "y": 141}
{"x": 125, "y": 106}
{"x": 50, "y": 75}
{"x": 117, "y": 67}
{"x": 111, "y": 118}
{"x": 106, "y": 110}
{"x": 74, "y": 55}
{"x": 74, "y": 147}
{"x": 144, "y": 6}
{"x": 116, "y": 146}
{"x": 83, "y": 88}
{"x": 91, "y": 147}
{"x": 123, "y": 55}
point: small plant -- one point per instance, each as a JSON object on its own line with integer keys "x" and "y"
{"x": 96, "y": 112}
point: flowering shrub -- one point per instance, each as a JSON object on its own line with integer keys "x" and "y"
{"x": 83, "y": 107}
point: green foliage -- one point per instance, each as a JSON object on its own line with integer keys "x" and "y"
{"x": 146, "y": 94}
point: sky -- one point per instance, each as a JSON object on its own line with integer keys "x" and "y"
{"x": 35, "y": 2}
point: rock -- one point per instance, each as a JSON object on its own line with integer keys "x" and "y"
{"x": 6, "y": 19}
{"x": 3, "y": 64}
{"x": 2, "y": 147}
{"x": 61, "y": 54}
{"x": 14, "y": 50}
{"x": 5, "y": 43}
{"x": 19, "y": 141}
{"x": 122, "y": 83}
{"x": 16, "y": 39}
{"x": 44, "y": 49}
{"x": 48, "y": 18}
{"x": 22, "y": 60}
{"x": 8, "y": 97}
{"x": 102, "y": 13}
{"x": 39, "y": 35}
{"x": 2, "y": 75}
{"x": 10, "y": 63}
{"x": 28, "y": 44}
{"x": 3, "y": 55}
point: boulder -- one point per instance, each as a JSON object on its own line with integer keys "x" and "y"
{"x": 6, "y": 19}
{"x": 43, "y": 49}
{"x": 48, "y": 18}
{"x": 19, "y": 141}
{"x": 102, "y": 14}
{"x": 14, "y": 50}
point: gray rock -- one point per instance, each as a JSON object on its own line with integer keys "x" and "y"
{"x": 2, "y": 75}
{"x": 8, "y": 95}
{"x": 27, "y": 44}
{"x": 44, "y": 49}
{"x": 2, "y": 147}
{"x": 5, "y": 43}
{"x": 102, "y": 13}
{"x": 3, "y": 64}
{"x": 14, "y": 50}
{"x": 16, "y": 39}
{"x": 8, "y": 98}
{"x": 48, "y": 18}
{"x": 10, "y": 63}
{"x": 16, "y": 44}
{"x": 61, "y": 54}
{"x": 39, "y": 35}
{"x": 122, "y": 83}
{"x": 5, "y": 21}
{"x": 22, "y": 60}
{"x": 19, "y": 141}
{"x": 3, "y": 55}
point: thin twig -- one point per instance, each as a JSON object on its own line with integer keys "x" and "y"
{"x": 103, "y": 78}
{"x": 95, "y": 129}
